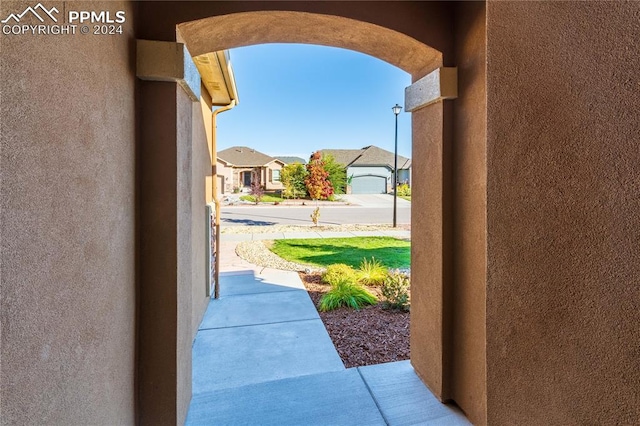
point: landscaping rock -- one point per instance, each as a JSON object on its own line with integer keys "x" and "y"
{"x": 256, "y": 252}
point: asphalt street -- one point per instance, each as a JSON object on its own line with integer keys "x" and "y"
{"x": 300, "y": 215}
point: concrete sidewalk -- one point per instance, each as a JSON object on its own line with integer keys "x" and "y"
{"x": 263, "y": 357}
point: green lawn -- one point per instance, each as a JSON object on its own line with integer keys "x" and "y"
{"x": 392, "y": 252}
{"x": 266, "y": 198}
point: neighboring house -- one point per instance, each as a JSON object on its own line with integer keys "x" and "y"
{"x": 370, "y": 169}
{"x": 235, "y": 167}
{"x": 291, "y": 160}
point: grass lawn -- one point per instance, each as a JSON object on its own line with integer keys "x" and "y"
{"x": 266, "y": 198}
{"x": 391, "y": 252}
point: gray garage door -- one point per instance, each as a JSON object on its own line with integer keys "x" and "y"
{"x": 368, "y": 185}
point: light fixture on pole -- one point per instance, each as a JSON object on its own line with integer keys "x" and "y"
{"x": 396, "y": 110}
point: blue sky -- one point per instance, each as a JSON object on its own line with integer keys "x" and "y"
{"x": 295, "y": 99}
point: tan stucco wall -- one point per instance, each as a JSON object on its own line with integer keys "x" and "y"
{"x": 185, "y": 141}
{"x": 405, "y": 22}
{"x": 227, "y": 172}
{"x": 559, "y": 255}
{"x": 158, "y": 246}
{"x": 269, "y": 182}
{"x": 563, "y": 213}
{"x": 427, "y": 265}
{"x": 201, "y": 185}
{"x": 176, "y": 163}
{"x": 469, "y": 227}
{"x": 68, "y": 229}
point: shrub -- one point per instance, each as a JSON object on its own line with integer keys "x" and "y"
{"x": 317, "y": 180}
{"x": 395, "y": 291}
{"x": 404, "y": 190}
{"x": 345, "y": 293}
{"x": 292, "y": 178}
{"x": 371, "y": 272}
{"x": 337, "y": 272}
{"x": 337, "y": 174}
{"x": 315, "y": 216}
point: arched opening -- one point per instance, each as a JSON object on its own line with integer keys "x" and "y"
{"x": 297, "y": 99}
{"x": 243, "y": 29}
{"x": 249, "y": 28}
{"x": 432, "y": 134}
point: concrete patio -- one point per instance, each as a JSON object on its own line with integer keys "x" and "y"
{"x": 263, "y": 357}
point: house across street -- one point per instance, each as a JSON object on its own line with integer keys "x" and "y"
{"x": 368, "y": 170}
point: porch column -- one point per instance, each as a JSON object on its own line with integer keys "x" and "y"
{"x": 164, "y": 358}
{"x": 431, "y": 227}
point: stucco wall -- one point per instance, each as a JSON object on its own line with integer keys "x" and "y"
{"x": 175, "y": 165}
{"x": 158, "y": 247}
{"x": 563, "y": 213}
{"x": 68, "y": 224}
{"x": 227, "y": 172}
{"x": 201, "y": 184}
{"x": 468, "y": 158}
{"x": 270, "y": 183}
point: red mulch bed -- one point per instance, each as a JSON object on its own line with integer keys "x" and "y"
{"x": 369, "y": 336}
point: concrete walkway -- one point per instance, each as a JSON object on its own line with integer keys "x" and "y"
{"x": 262, "y": 356}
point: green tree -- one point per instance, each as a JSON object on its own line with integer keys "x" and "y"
{"x": 337, "y": 174}
{"x": 292, "y": 177}
{"x": 317, "y": 181}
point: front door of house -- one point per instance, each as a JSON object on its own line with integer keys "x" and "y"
{"x": 246, "y": 179}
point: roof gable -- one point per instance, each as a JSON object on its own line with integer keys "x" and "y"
{"x": 368, "y": 156}
{"x": 374, "y": 156}
{"x": 244, "y": 156}
{"x": 343, "y": 156}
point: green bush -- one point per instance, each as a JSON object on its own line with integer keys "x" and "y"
{"x": 292, "y": 177}
{"x": 338, "y": 272}
{"x": 395, "y": 291}
{"x": 404, "y": 190}
{"x": 371, "y": 272}
{"x": 345, "y": 293}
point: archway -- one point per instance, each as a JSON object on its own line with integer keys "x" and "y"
{"x": 432, "y": 140}
{"x": 241, "y": 29}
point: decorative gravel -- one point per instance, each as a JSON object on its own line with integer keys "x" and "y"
{"x": 258, "y": 253}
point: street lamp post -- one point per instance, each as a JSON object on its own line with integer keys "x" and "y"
{"x": 396, "y": 110}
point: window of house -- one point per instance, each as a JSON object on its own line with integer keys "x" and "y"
{"x": 275, "y": 177}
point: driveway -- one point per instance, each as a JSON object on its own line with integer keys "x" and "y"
{"x": 375, "y": 200}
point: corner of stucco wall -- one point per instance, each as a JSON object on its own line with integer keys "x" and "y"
{"x": 467, "y": 367}
{"x": 68, "y": 223}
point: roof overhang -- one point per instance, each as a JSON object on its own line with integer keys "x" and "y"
{"x": 217, "y": 77}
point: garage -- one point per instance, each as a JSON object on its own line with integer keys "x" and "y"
{"x": 369, "y": 185}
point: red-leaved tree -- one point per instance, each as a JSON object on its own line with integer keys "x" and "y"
{"x": 317, "y": 181}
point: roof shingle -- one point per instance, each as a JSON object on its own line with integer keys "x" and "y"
{"x": 368, "y": 156}
{"x": 244, "y": 156}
